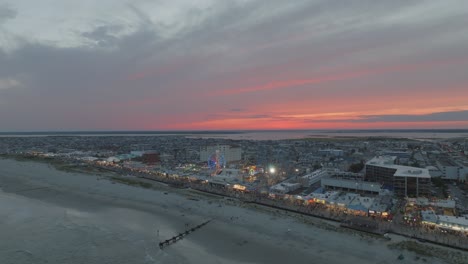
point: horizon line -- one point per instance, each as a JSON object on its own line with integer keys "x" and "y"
{"x": 234, "y": 130}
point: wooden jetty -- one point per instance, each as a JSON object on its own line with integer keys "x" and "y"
{"x": 180, "y": 236}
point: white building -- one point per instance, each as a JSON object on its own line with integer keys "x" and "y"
{"x": 331, "y": 152}
{"x": 429, "y": 217}
{"x": 230, "y": 153}
{"x": 453, "y": 222}
{"x": 458, "y": 223}
{"x": 313, "y": 177}
{"x": 434, "y": 171}
{"x": 283, "y": 188}
{"x": 451, "y": 170}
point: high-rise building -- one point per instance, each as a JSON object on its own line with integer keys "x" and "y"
{"x": 403, "y": 180}
{"x": 381, "y": 169}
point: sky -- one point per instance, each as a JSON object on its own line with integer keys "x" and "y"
{"x": 233, "y": 65}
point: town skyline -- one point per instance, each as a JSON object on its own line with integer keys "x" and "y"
{"x": 242, "y": 65}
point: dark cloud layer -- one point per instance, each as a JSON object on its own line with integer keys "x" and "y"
{"x": 164, "y": 74}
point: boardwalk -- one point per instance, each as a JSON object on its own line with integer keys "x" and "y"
{"x": 456, "y": 240}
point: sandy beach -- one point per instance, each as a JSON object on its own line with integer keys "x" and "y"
{"x": 51, "y": 216}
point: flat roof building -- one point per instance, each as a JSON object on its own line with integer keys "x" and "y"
{"x": 230, "y": 153}
{"x": 283, "y": 188}
{"x": 453, "y": 222}
{"x": 451, "y": 170}
{"x": 313, "y": 177}
{"x": 429, "y": 217}
{"x": 403, "y": 180}
{"x": 410, "y": 180}
{"x": 348, "y": 181}
{"x": 398, "y": 153}
{"x": 331, "y": 152}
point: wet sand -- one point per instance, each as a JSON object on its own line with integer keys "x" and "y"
{"x": 50, "y": 216}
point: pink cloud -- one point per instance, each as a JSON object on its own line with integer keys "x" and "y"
{"x": 276, "y": 85}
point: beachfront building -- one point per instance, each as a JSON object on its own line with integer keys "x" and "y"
{"x": 381, "y": 169}
{"x": 231, "y": 153}
{"x": 354, "y": 202}
{"x": 429, "y": 217}
{"x": 403, "y": 180}
{"x": 458, "y": 223}
{"x": 284, "y": 188}
{"x": 323, "y": 198}
{"x": 348, "y": 181}
{"x": 411, "y": 181}
{"x": 442, "y": 206}
{"x": 453, "y": 222}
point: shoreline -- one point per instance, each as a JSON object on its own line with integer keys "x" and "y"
{"x": 230, "y": 213}
{"x": 142, "y": 181}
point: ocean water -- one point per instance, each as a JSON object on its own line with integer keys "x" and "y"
{"x": 265, "y": 134}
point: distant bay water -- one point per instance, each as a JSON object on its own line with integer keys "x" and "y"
{"x": 264, "y": 134}
{"x": 302, "y": 134}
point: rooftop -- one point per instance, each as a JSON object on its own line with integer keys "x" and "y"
{"x": 457, "y": 220}
{"x": 401, "y": 171}
{"x": 382, "y": 161}
{"x": 447, "y": 162}
{"x": 352, "y": 184}
{"x": 406, "y": 171}
{"x": 429, "y": 216}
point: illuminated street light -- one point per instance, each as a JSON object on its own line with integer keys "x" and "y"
{"x": 272, "y": 170}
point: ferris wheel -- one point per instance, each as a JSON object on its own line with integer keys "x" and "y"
{"x": 216, "y": 163}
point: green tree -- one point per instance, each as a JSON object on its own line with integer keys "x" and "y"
{"x": 356, "y": 167}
